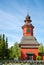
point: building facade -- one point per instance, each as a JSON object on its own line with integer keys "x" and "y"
{"x": 29, "y": 45}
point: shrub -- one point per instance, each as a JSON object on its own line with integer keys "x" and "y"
{"x": 38, "y": 58}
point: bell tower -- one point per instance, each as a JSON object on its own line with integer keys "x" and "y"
{"x": 27, "y": 27}
{"x": 28, "y": 44}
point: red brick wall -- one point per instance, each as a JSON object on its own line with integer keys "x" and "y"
{"x": 43, "y": 57}
{"x": 24, "y": 51}
{"x": 25, "y": 33}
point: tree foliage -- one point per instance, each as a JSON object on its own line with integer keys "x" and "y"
{"x": 3, "y": 47}
{"x": 15, "y": 51}
{"x": 41, "y": 49}
{"x": 12, "y": 52}
{"x": 38, "y": 58}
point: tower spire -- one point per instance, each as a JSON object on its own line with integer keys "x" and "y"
{"x": 27, "y": 19}
{"x": 28, "y": 12}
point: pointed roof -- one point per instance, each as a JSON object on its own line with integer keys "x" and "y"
{"x": 28, "y": 40}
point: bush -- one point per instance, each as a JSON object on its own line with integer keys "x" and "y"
{"x": 38, "y": 58}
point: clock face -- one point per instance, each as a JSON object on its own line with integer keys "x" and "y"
{"x": 28, "y": 30}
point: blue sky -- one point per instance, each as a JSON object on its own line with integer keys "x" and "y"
{"x": 12, "y": 15}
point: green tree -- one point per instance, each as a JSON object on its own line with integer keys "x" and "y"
{"x": 0, "y": 38}
{"x": 0, "y": 48}
{"x": 0, "y": 51}
{"x": 15, "y": 51}
{"x": 6, "y": 48}
{"x": 3, "y": 46}
{"x": 41, "y": 49}
{"x": 11, "y": 53}
{"x": 6, "y": 43}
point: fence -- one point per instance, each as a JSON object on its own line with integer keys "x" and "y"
{"x": 20, "y": 62}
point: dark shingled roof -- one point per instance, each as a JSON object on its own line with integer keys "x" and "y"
{"x": 28, "y": 40}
